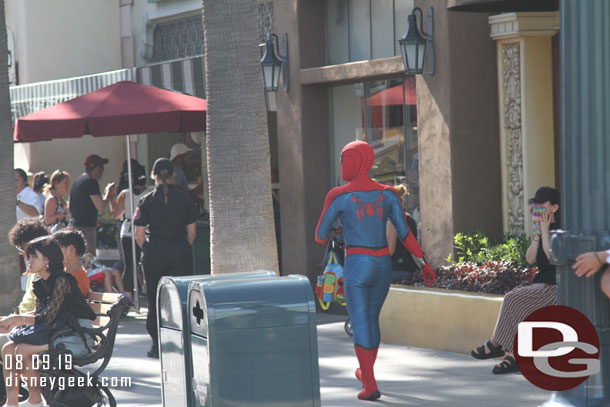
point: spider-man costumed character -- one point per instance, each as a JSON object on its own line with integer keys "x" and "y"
{"x": 364, "y": 207}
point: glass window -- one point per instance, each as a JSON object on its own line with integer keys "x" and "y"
{"x": 360, "y": 30}
{"x": 383, "y": 30}
{"x": 336, "y": 23}
{"x": 383, "y": 113}
{"x": 402, "y": 9}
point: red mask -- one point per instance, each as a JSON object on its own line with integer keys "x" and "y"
{"x": 356, "y": 160}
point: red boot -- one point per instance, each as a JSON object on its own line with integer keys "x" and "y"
{"x": 374, "y": 356}
{"x": 366, "y": 358}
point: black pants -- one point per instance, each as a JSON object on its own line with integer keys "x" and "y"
{"x": 128, "y": 260}
{"x": 163, "y": 257}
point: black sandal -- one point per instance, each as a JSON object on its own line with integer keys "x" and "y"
{"x": 494, "y": 352}
{"x": 508, "y": 365}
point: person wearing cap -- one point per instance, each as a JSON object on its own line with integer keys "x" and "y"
{"x": 165, "y": 230}
{"x": 125, "y": 208}
{"x": 522, "y": 301}
{"x": 176, "y": 156}
{"x": 86, "y": 200}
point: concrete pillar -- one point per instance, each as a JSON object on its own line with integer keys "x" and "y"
{"x": 525, "y": 96}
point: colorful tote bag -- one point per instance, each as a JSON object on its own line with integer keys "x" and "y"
{"x": 329, "y": 287}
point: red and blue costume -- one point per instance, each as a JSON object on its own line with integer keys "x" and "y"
{"x": 364, "y": 207}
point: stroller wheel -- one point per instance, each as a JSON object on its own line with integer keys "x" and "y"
{"x": 348, "y": 327}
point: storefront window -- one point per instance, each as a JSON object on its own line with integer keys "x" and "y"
{"x": 384, "y": 114}
{"x": 358, "y": 30}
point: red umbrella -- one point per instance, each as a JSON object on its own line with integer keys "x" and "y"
{"x": 396, "y": 95}
{"x": 119, "y": 109}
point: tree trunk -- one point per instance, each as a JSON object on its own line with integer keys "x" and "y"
{"x": 10, "y": 290}
{"x": 241, "y": 212}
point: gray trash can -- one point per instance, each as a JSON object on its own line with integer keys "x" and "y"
{"x": 254, "y": 343}
{"x": 174, "y": 334}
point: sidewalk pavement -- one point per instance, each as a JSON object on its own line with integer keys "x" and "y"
{"x": 406, "y": 376}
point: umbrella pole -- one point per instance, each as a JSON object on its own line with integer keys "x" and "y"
{"x": 134, "y": 268}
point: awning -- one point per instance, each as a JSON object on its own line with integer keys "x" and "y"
{"x": 502, "y": 6}
{"x": 30, "y": 98}
{"x": 184, "y": 75}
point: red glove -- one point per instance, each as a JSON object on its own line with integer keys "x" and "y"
{"x": 428, "y": 274}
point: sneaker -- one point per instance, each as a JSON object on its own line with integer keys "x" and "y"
{"x": 153, "y": 352}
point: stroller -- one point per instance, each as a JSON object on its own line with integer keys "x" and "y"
{"x": 330, "y": 281}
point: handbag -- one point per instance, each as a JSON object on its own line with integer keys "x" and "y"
{"x": 329, "y": 286}
{"x": 38, "y": 334}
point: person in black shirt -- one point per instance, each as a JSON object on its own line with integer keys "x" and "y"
{"x": 165, "y": 229}
{"x": 522, "y": 301}
{"x": 86, "y": 200}
{"x": 403, "y": 265}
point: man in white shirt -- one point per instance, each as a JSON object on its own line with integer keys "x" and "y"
{"x": 28, "y": 203}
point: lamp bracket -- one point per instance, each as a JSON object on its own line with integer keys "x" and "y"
{"x": 284, "y": 57}
{"x": 429, "y": 36}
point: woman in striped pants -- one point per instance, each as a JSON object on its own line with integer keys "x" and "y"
{"x": 522, "y": 301}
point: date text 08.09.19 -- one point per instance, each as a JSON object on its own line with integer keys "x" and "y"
{"x": 39, "y": 362}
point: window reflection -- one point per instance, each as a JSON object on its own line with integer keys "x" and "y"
{"x": 383, "y": 113}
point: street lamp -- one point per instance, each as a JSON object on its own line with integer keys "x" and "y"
{"x": 413, "y": 45}
{"x": 272, "y": 62}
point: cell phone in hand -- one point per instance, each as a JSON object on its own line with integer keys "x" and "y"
{"x": 538, "y": 211}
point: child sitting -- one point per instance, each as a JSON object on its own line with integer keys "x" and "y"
{"x": 72, "y": 243}
{"x": 98, "y": 273}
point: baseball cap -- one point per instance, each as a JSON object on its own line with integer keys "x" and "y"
{"x": 178, "y": 149}
{"x": 163, "y": 164}
{"x": 95, "y": 160}
{"x": 544, "y": 194}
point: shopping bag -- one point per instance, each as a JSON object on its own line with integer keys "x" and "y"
{"x": 330, "y": 283}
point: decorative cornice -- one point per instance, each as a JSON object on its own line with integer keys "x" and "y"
{"x": 512, "y": 25}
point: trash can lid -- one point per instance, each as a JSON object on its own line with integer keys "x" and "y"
{"x": 251, "y": 303}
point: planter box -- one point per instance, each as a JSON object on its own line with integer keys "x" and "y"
{"x": 454, "y": 321}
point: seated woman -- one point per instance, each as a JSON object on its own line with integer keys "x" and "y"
{"x": 522, "y": 301}
{"x": 58, "y": 300}
{"x": 587, "y": 264}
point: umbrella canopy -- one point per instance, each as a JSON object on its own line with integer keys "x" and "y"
{"x": 119, "y": 109}
{"x": 396, "y": 95}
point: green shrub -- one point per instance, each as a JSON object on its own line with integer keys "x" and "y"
{"x": 476, "y": 248}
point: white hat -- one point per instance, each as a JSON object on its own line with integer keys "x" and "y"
{"x": 178, "y": 149}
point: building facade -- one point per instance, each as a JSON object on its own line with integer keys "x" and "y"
{"x": 472, "y": 142}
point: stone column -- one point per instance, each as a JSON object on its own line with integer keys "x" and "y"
{"x": 525, "y": 93}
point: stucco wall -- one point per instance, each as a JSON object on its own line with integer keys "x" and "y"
{"x": 458, "y": 133}
{"x": 64, "y": 38}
